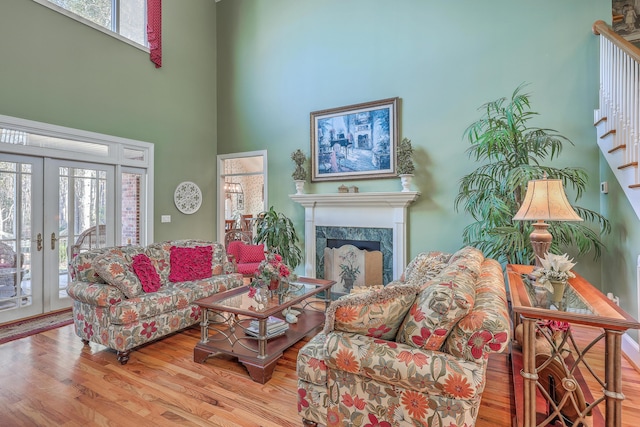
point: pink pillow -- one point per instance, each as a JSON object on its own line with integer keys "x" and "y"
{"x": 251, "y": 253}
{"x": 188, "y": 264}
{"x": 146, "y": 272}
{"x": 233, "y": 248}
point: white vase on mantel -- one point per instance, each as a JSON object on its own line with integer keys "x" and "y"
{"x": 405, "y": 180}
{"x": 299, "y": 186}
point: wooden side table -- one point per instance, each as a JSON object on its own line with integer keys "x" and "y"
{"x": 583, "y": 304}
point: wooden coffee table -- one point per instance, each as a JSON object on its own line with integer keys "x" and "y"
{"x": 227, "y": 315}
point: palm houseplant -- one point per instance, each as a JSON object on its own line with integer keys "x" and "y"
{"x": 276, "y": 231}
{"x": 512, "y": 152}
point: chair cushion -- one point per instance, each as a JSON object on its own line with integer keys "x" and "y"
{"x": 377, "y": 313}
{"x": 116, "y": 270}
{"x": 190, "y": 263}
{"x": 251, "y": 253}
{"x": 248, "y": 268}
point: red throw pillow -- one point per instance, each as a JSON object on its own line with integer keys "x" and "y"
{"x": 146, "y": 272}
{"x": 188, "y": 264}
{"x": 251, "y": 253}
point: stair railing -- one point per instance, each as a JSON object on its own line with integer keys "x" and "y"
{"x": 620, "y": 94}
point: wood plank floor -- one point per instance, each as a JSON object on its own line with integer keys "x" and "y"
{"x": 52, "y": 379}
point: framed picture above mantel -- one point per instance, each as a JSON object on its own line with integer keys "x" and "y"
{"x": 355, "y": 142}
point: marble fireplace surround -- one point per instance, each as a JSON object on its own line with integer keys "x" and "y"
{"x": 375, "y": 210}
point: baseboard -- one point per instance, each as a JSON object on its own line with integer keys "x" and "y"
{"x": 631, "y": 351}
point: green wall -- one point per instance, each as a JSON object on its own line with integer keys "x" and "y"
{"x": 278, "y": 60}
{"x": 59, "y": 71}
{"x": 619, "y": 263}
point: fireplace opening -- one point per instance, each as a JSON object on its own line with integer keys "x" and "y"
{"x": 365, "y": 245}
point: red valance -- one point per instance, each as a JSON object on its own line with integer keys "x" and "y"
{"x": 154, "y": 31}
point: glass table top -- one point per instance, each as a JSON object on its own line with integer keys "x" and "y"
{"x": 540, "y": 297}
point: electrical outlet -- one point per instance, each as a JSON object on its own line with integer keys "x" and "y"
{"x": 165, "y": 218}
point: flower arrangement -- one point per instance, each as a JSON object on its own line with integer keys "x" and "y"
{"x": 556, "y": 268}
{"x": 349, "y": 270}
{"x": 271, "y": 270}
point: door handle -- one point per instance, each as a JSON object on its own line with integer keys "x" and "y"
{"x": 53, "y": 240}
{"x": 39, "y": 242}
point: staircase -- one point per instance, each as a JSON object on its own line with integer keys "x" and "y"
{"x": 618, "y": 119}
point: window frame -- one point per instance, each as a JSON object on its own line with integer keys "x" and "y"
{"x": 114, "y": 155}
{"x": 78, "y": 18}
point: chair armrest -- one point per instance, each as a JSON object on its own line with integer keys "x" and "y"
{"x": 98, "y": 294}
{"x": 397, "y": 364}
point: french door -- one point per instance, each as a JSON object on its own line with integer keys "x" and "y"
{"x": 46, "y": 205}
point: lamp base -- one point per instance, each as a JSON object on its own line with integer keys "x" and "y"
{"x": 540, "y": 240}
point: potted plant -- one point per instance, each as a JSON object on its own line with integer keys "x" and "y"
{"x": 276, "y": 231}
{"x": 299, "y": 175}
{"x": 513, "y": 153}
{"x": 405, "y": 166}
{"x": 554, "y": 274}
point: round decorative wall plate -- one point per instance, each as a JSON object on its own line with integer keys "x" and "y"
{"x": 187, "y": 197}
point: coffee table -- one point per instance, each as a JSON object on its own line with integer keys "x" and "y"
{"x": 227, "y": 315}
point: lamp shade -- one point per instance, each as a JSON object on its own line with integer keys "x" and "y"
{"x": 546, "y": 200}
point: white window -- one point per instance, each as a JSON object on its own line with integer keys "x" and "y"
{"x": 125, "y": 19}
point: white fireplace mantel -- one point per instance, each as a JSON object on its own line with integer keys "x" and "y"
{"x": 383, "y": 210}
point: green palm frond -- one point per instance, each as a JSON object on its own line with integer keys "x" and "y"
{"x": 513, "y": 154}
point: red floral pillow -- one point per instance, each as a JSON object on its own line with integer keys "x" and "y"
{"x": 146, "y": 272}
{"x": 188, "y": 264}
{"x": 251, "y": 253}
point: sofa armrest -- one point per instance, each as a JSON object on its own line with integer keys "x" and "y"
{"x": 97, "y": 294}
{"x": 397, "y": 364}
{"x": 487, "y": 328}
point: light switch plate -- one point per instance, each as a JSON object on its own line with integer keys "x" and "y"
{"x": 165, "y": 218}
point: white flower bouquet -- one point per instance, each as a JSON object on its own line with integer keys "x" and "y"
{"x": 556, "y": 268}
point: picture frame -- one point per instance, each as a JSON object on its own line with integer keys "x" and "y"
{"x": 355, "y": 142}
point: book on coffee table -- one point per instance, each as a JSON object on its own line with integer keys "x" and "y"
{"x": 275, "y": 327}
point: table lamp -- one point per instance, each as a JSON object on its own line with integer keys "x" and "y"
{"x": 545, "y": 201}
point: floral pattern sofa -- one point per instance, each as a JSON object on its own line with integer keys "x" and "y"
{"x": 122, "y": 307}
{"x": 411, "y": 354}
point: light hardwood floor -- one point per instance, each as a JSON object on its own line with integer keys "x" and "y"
{"x": 52, "y": 379}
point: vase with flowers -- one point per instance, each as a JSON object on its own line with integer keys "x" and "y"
{"x": 272, "y": 274}
{"x": 554, "y": 274}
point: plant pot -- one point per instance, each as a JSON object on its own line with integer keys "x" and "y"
{"x": 299, "y": 186}
{"x": 405, "y": 181}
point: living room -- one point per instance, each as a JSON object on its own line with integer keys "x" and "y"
{"x": 244, "y": 75}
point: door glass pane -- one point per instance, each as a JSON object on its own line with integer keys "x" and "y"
{"x": 131, "y": 214}
{"x": 15, "y": 232}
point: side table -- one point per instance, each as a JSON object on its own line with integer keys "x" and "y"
{"x": 582, "y": 304}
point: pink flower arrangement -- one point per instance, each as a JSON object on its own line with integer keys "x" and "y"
{"x": 271, "y": 270}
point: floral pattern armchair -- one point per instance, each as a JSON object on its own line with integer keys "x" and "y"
{"x": 412, "y": 354}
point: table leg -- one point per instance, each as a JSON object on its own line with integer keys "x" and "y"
{"x": 529, "y": 371}
{"x": 613, "y": 378}
{"x": 204, "y": 326}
